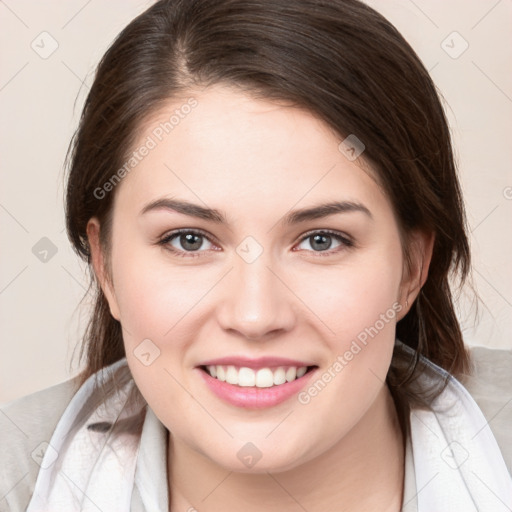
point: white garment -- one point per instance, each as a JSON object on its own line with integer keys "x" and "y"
{"x": 457, "y": 463}
{"x": 94, "y": 472}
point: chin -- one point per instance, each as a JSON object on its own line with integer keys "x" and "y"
{"x": 249, "y": 458}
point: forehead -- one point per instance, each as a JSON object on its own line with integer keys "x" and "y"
{"x": 226, "y": 146}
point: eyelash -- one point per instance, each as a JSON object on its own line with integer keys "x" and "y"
{"x": 344, "y": 239}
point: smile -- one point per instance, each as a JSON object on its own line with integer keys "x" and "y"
{"x": 260, "y": 378}
{"x": 255, "y": 388}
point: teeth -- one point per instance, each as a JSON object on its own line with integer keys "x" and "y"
{"x": 221, "y": 373}
{"x": 231, "y": 375}
{"x": 279, "y": 376}
{"x": 262, "y": 378}
{"x": 291, "y": 373}
{"x": 246, "y": 377}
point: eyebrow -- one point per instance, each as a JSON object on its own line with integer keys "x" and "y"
{"x": 293, "y": 217}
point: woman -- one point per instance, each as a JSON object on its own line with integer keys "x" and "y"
{"x": 266, "y": 195}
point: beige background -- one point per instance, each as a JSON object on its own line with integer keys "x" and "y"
{"x": 40, "y": 317}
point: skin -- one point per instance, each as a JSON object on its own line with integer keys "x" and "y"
{"x": 254, "y": 161}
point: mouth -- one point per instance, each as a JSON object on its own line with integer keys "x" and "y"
{"x": 265, "y": 377}
{"x": 255, "y": 388}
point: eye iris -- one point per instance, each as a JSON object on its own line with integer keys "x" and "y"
{"x": 322, "y": 241}
{"x": 191, "y": 241}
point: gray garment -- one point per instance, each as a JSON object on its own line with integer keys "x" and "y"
{"x": 26, "y": 426}
{"x": 490, "y": 385}
{"x": 27, "y": 423}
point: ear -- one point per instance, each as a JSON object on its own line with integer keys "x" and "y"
{"x": 421, "y": 245}
{"x": 98, "y": 263}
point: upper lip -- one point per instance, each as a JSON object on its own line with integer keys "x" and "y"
{"x": 258, "y": 362}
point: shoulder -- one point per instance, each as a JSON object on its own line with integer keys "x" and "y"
{"x": 490, "y": 385}
{"x": 26, "y": 426}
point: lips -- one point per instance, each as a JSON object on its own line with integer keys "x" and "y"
{"x": 255, "y": 383}
{"x": 256, "y": 363}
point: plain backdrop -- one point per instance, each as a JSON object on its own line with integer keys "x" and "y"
{"x": 48, "y": 54}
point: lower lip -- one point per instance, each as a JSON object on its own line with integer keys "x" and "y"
{"x": 253, "y": 397}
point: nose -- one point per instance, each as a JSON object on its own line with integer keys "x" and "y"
{"x": 257, "y": 304}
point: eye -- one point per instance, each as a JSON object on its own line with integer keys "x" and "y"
{"x": 322, "y": 241}
{"x": 188, "y": 242}
{"x": 185, "y": 242}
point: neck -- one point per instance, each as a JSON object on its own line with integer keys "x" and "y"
{"x": 363, "y": 471}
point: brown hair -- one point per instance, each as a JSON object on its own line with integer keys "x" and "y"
{"x": 339, "y": 59}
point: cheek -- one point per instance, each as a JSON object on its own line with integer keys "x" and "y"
{"x": 157, "y": 304}
{"x": 360, "y": 310}
{"x": 353, "y": 297}
{"x": 155, "y": 297}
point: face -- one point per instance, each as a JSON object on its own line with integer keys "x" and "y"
{"x": 237, "y": 279}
